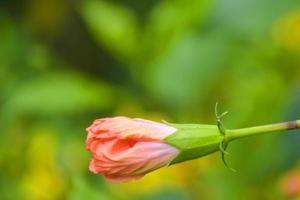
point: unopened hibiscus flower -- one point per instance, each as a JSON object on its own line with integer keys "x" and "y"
{"x": 125, "y": 149}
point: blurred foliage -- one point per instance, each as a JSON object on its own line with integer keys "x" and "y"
{"x": 65, "y": 63}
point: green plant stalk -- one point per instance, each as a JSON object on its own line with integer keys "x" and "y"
{"x": 197, "y": 140}
{"x": 233, "y": 134}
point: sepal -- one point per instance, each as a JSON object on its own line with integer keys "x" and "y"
{"x": 194, "y": 141}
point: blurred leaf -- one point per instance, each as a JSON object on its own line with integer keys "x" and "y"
{"x": 11, "y": 49}
{"x": 249, "y": 18}
{"x": 248, "y": 99}
{"x": 112, "y": 25}
{"x": 184, "y": 75}
{"x": 169, "y": 20}
{"x": 58, "y": 94}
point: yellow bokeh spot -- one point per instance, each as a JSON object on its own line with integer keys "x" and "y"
{"x": 42, "y": 179}
{"x": 286, "y": 32}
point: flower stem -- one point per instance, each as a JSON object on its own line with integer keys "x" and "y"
{"x": 257, "y": 130}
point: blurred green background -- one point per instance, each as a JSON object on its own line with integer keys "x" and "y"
{"x": 64, "y": 63}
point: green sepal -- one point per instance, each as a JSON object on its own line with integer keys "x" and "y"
{"x": 194, "y": 140}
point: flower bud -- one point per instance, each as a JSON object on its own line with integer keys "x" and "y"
{"x": 125, "y": 149}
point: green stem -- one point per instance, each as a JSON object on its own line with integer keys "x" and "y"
{"x": 257, "y": 130}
